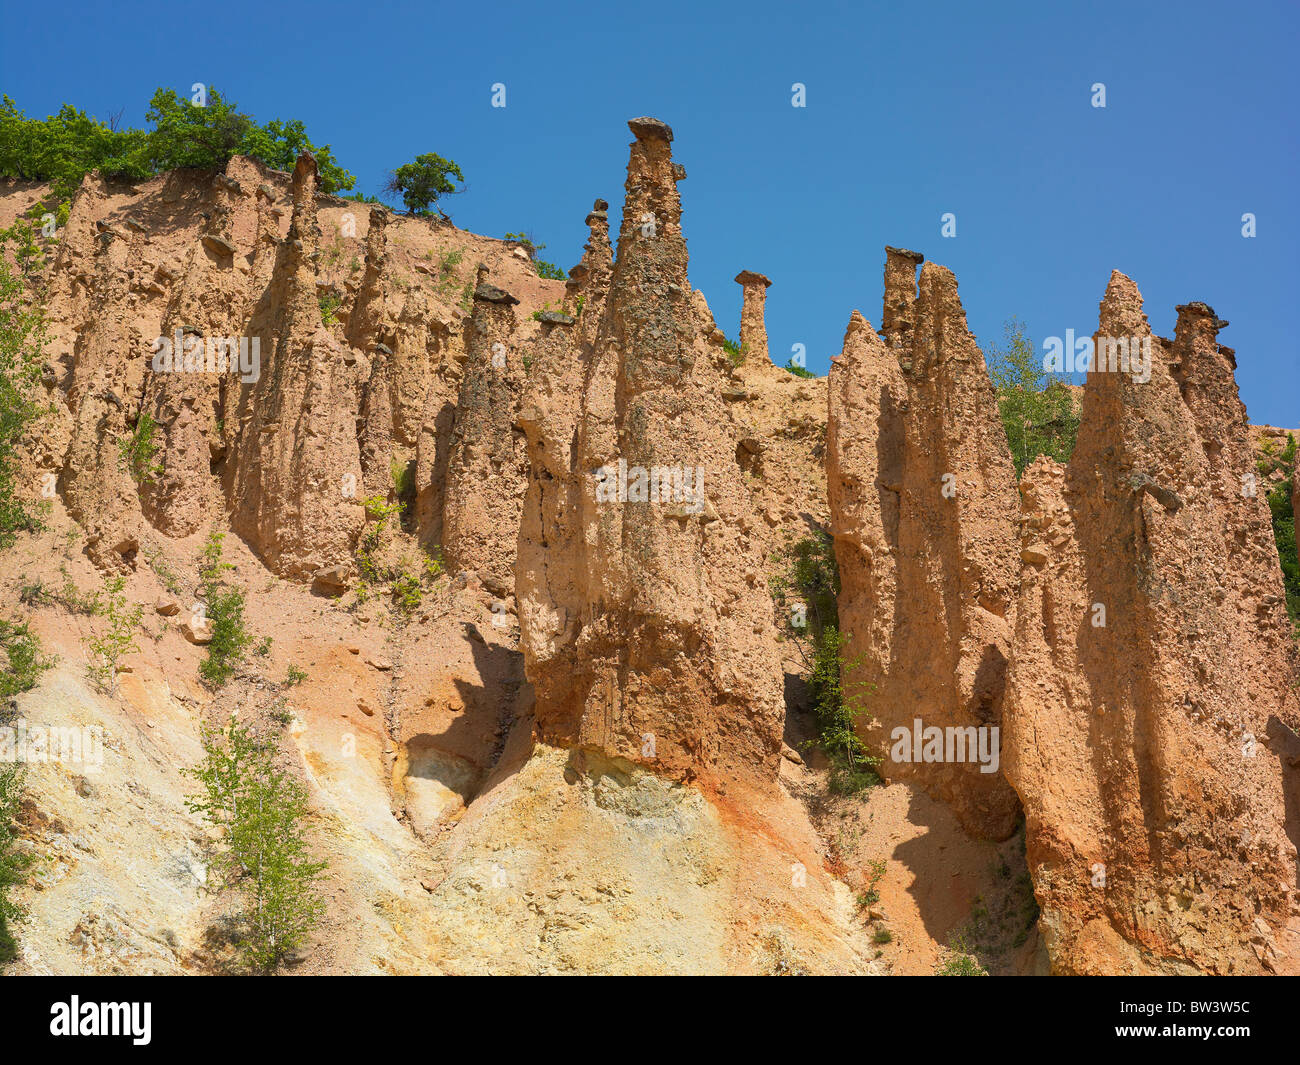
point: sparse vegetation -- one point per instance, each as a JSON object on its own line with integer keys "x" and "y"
{"x": 13, "y": 862}
{"x": 23, "y": 336}
{"x": 958, "y": 961}
{"x": 294, "y": 676}
{"x": 550, "y": 271}
{"x": 26, "y": 662}
{"x": 137, "y": 452}
{"x": 329, "y": 303}
{"x": 108, "y": 648}
{"x": 735, "y": 351}
{"x": 1038, "y": 413}
{"x": 805, "y": 591}
{"x": 259, "y": 812}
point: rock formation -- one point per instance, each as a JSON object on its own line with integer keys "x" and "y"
{"x": 921, "y": 487}
{"x": 753, "y": 330}
{"x": 487, "y": 458}
{"x": 296, "y": 441}
{"x": 1151, "y": 700}
{"x": 646, "y": 626}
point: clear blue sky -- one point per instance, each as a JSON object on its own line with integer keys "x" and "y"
{"x": 913, "y": 110}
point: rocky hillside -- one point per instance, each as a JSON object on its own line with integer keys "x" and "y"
{"x": 507, "y": 549}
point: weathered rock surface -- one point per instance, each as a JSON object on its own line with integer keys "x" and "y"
{"x": 1151, "y": 700}
{"x": 921, "y": 484}
{"x": 646, "y": 628}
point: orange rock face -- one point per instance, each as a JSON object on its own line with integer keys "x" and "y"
{"x": 646, "y": 627}
{"x": 921, "y": 481}
{"x": 1151, "y": 700}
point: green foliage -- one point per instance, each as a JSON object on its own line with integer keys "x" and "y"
{"x": 550, "y": 271}
{"x": 108, "y": 648}
{"x": 294, "y": 676}
{"x": 23, "y": 336}
{"x": 871, "y": 896}
{"x": 259, "y": 812}
{"x": 1037, "y": 413}
{"x": 64, "y": 147}
{"x": 422, "y": 182}
{"x": 450, "y": 260}
{"x": 525, "y": 240}
{"x": 26, "y": 663}
{"x": 798, "y": 371}
{"x": 224, "y": 612}
{"x": 329, "y": 303}
{"x": 13, "y": 862}
{"x": 882, "y": 935}
{"x": 1279, "y": 503}
{"x": 958, "y": 961}
{"x": 735, "y": 351}
{"x": 810, "y": 578}
{"x": 137, "y": 452}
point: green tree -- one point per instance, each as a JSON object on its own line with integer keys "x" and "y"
{"x": 65, "y": 147}
{"x": 259, "y": 812}
{"x": 422, "y": 182}
{"x": 13, "y": 862}
{"x": 1038, "y": 413}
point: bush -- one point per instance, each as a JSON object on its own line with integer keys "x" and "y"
{"x": 22, "y": 649}
{"x": 1038, "y": 414}
{"x": 798, "y": 371}
{"x": 118, "y": 640}
{"x": 1280, "y": 505}
{"x": 224, "y": 613}
{"x": 137, "y": 452}
{"x": 550, "y": 271}
{"x": 259, "y": 811}
{"x": 422, "y": 182}
{"x": 13, "y": 863}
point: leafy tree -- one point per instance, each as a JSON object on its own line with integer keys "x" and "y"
{"x": 1037, "y": 413}
{"x": 421, "y": 183}
{"x": 13, "y": 863}
{"x": 259, "y": 812}
{"x": 23, "y": 337}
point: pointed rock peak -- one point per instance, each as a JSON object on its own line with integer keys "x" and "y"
{"x": 1121, "y": 309}
{"x": 304, "y": 170}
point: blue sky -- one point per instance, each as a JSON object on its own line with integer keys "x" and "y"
{"x": 913, "y": 110}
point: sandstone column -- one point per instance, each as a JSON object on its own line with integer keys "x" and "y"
{"x": 753, "y": 331}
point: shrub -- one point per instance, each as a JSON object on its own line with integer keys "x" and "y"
{"x": 550, "y": 271}
{"x": 118, "y": 640}
{"x": 13, "y": 863}
{"x": 798, "y": 371}
{"x": 136, "y": 453}
{"x": 294, "y": 676}
{"x": 22, "y": 649}
{"x": 224, "y": 612}
{"x": 259, "y": 812}
{"x": 735, "y": 351}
